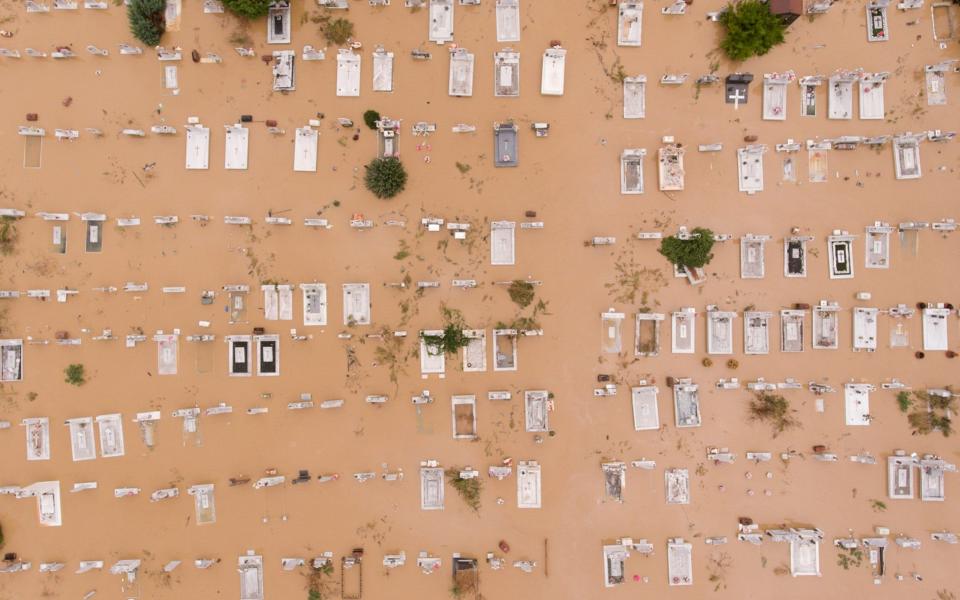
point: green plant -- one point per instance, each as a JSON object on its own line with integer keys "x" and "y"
{"x": 468, "y": 489}
{"x": 773, "y": 409}
{"x": 370, "y": 117}
{"x": 147, "y": 20}
{"x": 8, "y": 236}
{"x": 455, "y": 591}
{"x": 463, "y": 168}
{"x": 75, "y": 375}
{"x": 878, "y": 505}
{"x": 248, "y": 9}
{"x": 693, "y": 252}
{"x": 314, "y": 595}
{"x": 732, "y": 363}
{"x": 849, "y": 557}
{"x": 449, "y": 342}
{"x": 1, "y": 536}
{"x": 385, "y": 177}
{"x": 904, "y": 401}
{"x": 707, "y": 362}
{"x": 932, "y": 412}
{"x": 750, "y": 29}
{"x": 521, "y": 292}
{"x": 240, "y": 38}
{"x": 338, "y": 31}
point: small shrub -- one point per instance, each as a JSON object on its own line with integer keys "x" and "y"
{"x": 733, "y": 363}
{"x": 695, "y": 252}
{"x": 371, "y": 117}
{"x": 750, "y": 29}
{"x": 463, "y": 168}
{"x": 847, "y": 558}
{"x": 468, "y": 489}
{"x": 931, "y": 413}
{"x": 774, "y": 410}
{"x": 338, "y": 31}
{"x": 450, "y": 341}
{"x": 385, "y": 177}
{"x": 1, "y": 536}
{"x": 248, "y": 9}
{"x": 521, "y": 292}
{"x": 75, "y": 375}
{"x": 707, "y": 362}
{"x": 8, "y": 236}
{"x": 904, "y": 401}
{"x": 878, "y": 505}
{"x": 240, "y": 38}
{"x": 147, "y": 20}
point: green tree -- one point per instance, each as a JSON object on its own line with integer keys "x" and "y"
{"x": 8, "y": 235}
{"x": 450, "y": 341}
{"x": 147, "y": 20}
{"x": 750, "y": 29}
{"x": 694, "y": 252}
{"x": 248, "y": 9}
{"x": 371, "y": 117}
{"x": 385, "y": 177}
{"x": 75, "y": 375}
{"x": 338, "y": 31}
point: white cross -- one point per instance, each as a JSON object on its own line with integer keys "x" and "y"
{"x": 737, "y": 95}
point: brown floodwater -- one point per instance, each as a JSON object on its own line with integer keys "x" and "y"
{"x": 571, "y": 180}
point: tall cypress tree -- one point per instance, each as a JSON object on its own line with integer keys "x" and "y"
{"x": 147, "y": 20}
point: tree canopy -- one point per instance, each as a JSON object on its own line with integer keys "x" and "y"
{"x": 385, "y": 177}
{"x": 370, "y": 117}
{"x": 147, "y": 20}
{"x": 694, "y": 252}
{"x": 750, "y": 29}
{"x": 248, "y": 9}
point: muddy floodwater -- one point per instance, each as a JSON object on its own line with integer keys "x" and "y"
{"x": 570, "y": 179}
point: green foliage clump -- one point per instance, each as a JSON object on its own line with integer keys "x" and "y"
{"x": 521, "y": 292}
{"x": 248, "y": 9}
{"x": 694, "y": 252}
{"x": 904, "y": 401}
{"x": 849, "y": 557}
{"x": 750, "y": 29}
{"x": 469, "y": 489}
{"x": 8, "y": 236}
{"x": 449, "y": 342}
{"x": 147, "y": 20}
{"x": 371, "y": 117}
{"x": 932, "y": 412}
{"x": 385, "y": 177}
{"x": 75, "y": 374}
{"x": 773, "y": 409}
{"x": 338, "y": 31}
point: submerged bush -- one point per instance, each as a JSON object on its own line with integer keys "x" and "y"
{"x": 450, "y": 341}
{"x": 338, "y": 31}
{"x": 8, "y": 235}
{"x": 694, "y": 252}
{"x": 371, "y": 117}
{"x": 774, "y": 410}
{"x": 147, "y": 20}
{"x": 521, "y": 292}
{"x": 75, "y": 375}
{"x": 469, "y": 489}
{"x": 750, "y": 29}
{"x": 385, "y": 177}
{"x": 248, "y": 9}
